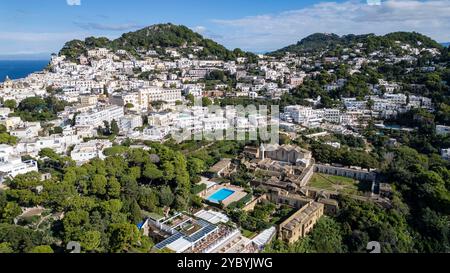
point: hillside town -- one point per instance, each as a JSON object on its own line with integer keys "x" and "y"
{"x": 108, "y": 103}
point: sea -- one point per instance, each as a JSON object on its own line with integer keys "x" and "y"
{"x": 16, "y": 69}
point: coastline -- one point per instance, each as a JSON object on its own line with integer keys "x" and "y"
{"x": 17, "y": 69}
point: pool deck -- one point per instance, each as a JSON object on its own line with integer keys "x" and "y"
{"x": 238, "y": 194}
{"x": 220, "y": 195}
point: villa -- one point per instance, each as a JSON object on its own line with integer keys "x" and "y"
{"x": 12, "y": 165}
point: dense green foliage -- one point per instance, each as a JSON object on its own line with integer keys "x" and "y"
{"x": 258, "y": 219}
{"x": 39, "y": 109}
{"x": 356, "y": 224}
{"x": 424, "y": 183}
{"x": 348, "y": 157}
{"x": 320, "y": 41}
{"x": 315, "y": 41}
{"x": 101, "y": 200}
{"x": 5, "y": 137}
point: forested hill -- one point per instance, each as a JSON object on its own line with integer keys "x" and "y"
{"x": 322, "y": 41}
{"x": 156, "y": 37}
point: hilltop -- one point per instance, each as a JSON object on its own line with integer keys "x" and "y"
{"x": 156, "y": 37}
{"x": 325, "y": 41}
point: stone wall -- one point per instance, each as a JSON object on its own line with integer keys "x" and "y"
{"x": 251, "y": 206}
{"x": 361, "y": 175}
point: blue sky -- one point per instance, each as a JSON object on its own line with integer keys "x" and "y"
{"x": 42, "y": 26}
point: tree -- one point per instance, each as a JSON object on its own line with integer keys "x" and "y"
{"x": 73, "y": 121}
{"x": 152, "y": 172}
{"x": 134, "y": 210}
{"x": 98, "y": 185}
{"x": 115, "y": 130}
{"x": 191, "y": 99}
{"x": 42, "y": 249}
{"x": 11, "y": 211}
{"x": 123, "y": 237}
{"x": 166, "y": 196}
{"x": 148, "y": 199}
{"x": 370, "y": 104}
{"x": 5, "y": 138}
{"x": 196, "y": 166}
{"x": 168, "y": 171}
{"x": 433, "y": 81}
{"x": 387, "y": 226}
{"x": 5, "y": 248}
{"x": 57, "y": 130}
{"x": 326, "y": 236}
{"x": 11, "y": 104}
{"x": 90, "y": 240}
{"x": 38, "y": 109}
{"x": 74, "y": 225}
{"x": 20, "y": 239}
{"x": 113, "y": 188}
{"x": 284, "y": 139}
{"x": 206, "y": 102}
{"x": 181, "y": 203}
{"x": 217, "y": 75}
{"x": 113, "y": 208}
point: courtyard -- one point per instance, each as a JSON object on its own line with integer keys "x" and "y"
{"x": 340, "y": 184}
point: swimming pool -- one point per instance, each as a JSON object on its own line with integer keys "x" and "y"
{"x": 220, "y": 195}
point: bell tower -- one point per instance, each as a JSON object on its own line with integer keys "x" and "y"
{"x": 7, "y": 83}
{"x": 262, "y": 152}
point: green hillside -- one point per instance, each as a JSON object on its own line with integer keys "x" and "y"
{"x": 156, "y": 37}
{"x": 321, "y": 41}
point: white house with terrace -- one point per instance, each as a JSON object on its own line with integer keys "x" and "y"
{"x": 12, "y": 165}
{"x": 84, "y": 152}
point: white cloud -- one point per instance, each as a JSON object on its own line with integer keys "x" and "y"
{"x": 73, "y": 2}
{"x": 207, "y": 33}
{"x": 273, "y": 31}
{"x": 199, "y": 29}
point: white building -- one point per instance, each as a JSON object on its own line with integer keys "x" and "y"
{"x": 305, "y": 116}
{"x": 155, "y": 133}
{"x": 28, "y": 130}
{"x": 396, "y": 98}
{"x": 4, "y": 112}
{"x": 166, "y": 95}
{"x": 10, "y": 122}
{"x": 442, "y": 130}
{"x": 84, "y": 152}
{"x": 58, "y": 143}
{"x": 445, "y": 153}
{"x": 195, "y": 91}
{"x": 353, "y": 104}
{"x": 130, "y": 122}
{"x": 12, "y": 165}
{"x": 88, "y": 100}
{"x": 98, "y": 117}
{"x": 332, "y": 115}
{"x": 213, "y": 123}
